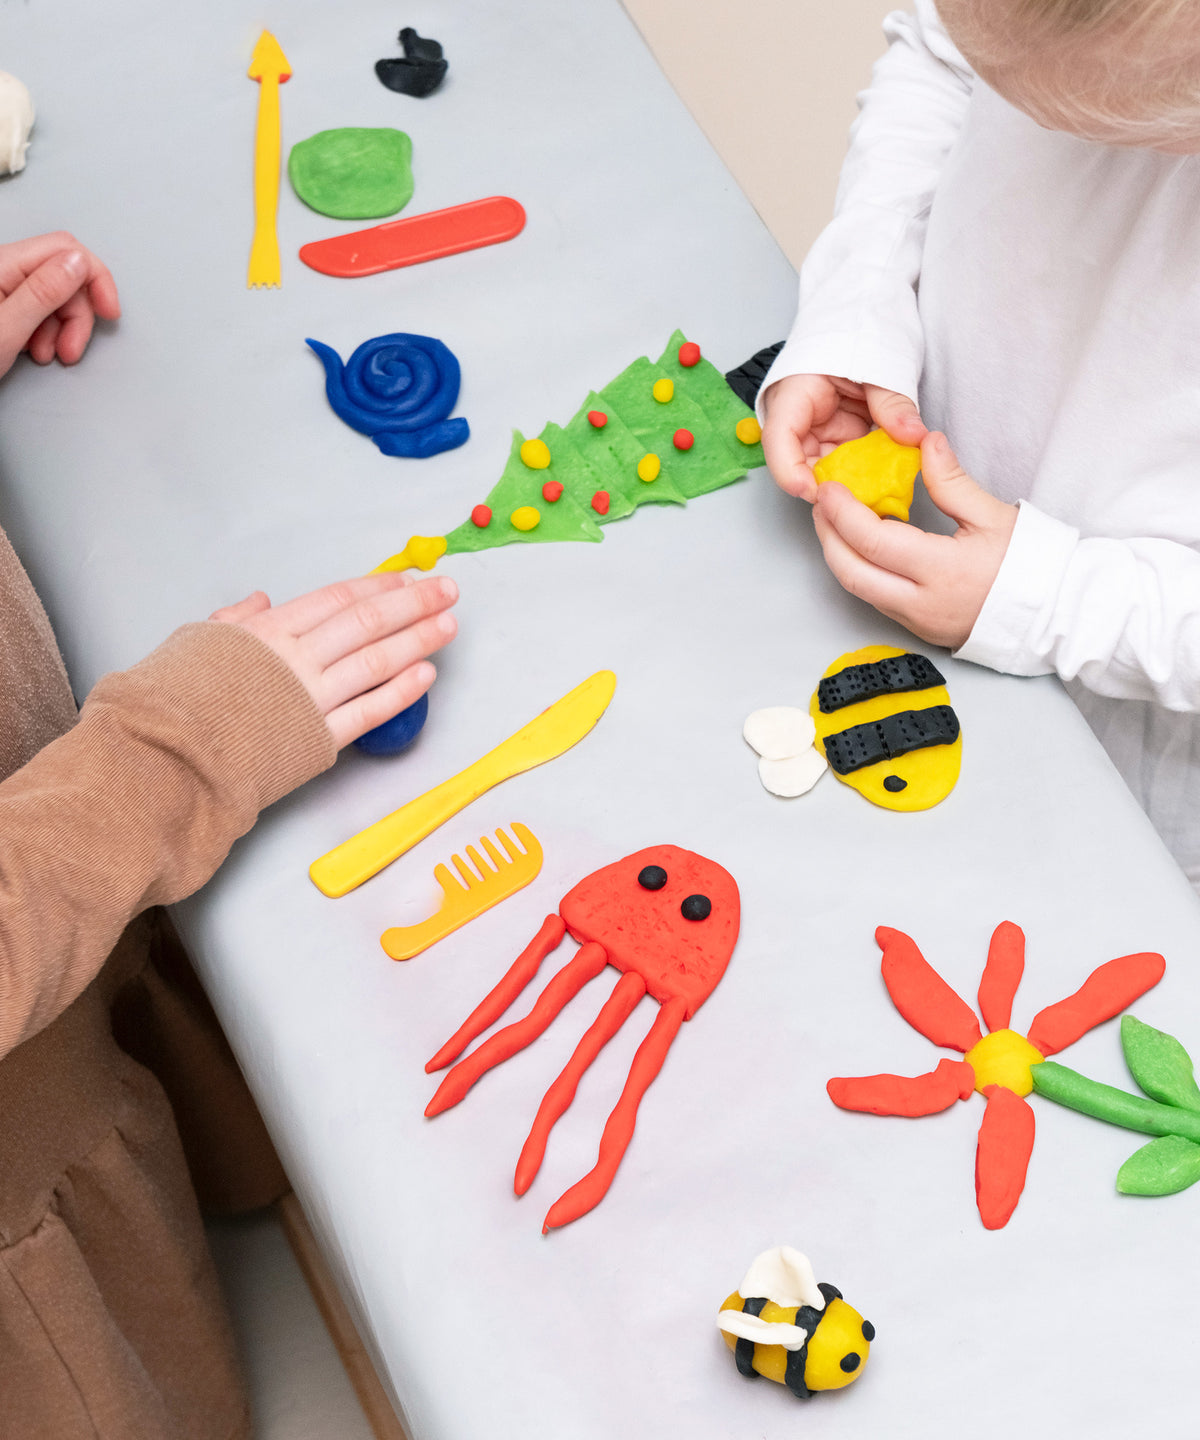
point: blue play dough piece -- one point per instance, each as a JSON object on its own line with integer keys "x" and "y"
{"x": 395, "y": 734}
{"x": 399, "y": 390}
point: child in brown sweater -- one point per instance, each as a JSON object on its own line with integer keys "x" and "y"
{"x": 110, "y": 1319}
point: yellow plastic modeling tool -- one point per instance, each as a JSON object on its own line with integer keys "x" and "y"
{"x": 269, "y": 66}
{"x": 566, "y": 721}
{"x": 485, "y": 886}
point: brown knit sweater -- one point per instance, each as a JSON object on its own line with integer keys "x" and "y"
{"x": 110, "y": 1320}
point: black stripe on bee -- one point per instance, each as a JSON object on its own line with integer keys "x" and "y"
{"x": 890, "y": 737}
{"x": 892, "y": 675}
{"x": 743, "y": 1351}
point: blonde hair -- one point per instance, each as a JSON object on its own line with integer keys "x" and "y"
{"x": 1145, "y": 86}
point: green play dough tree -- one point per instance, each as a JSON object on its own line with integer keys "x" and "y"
{"x": 353, "y": 174}
{"x": 587, "y": 459}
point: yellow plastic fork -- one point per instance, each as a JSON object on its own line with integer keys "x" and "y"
{"x": 475, "y": 893}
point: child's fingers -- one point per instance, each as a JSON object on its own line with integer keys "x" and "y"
{"x": 377, "y": 617}
{"x": 38, "y": 296}
{"x": 347, "y": 722}
{"x": 886, "y": 591}
{"x": 896, "y": 414}
{"x": 370, "y": 666}
{"x": 304, "y": 613}
{"x": 889, "y": 544}
{"x": 243, "y": 609}
{"x": 44, "y": 340}
{"x": 76, "y": 320}
{"x": 954, "y": 492}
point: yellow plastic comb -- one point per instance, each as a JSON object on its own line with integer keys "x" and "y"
{"x": 475, "y": 893}
{"x": 269, "y": 66}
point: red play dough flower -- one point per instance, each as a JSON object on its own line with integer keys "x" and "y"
{"x": 998, "y": 1065}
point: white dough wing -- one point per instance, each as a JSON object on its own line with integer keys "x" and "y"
{"x": 794, "y": 776}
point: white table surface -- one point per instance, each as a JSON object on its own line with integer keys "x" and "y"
{"x": 192, "y": 457}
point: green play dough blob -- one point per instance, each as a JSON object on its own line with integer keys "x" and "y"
{"x": 353, "y": 174}
{"x": 1159, "y": 1064}
{"x": 564, "y": 519}
{"x": 585, "y": 459}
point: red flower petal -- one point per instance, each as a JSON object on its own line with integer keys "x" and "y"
{"x": 1001, "y": 975}
{"x": 901, "y": 1095}
{"x": 1105, "y": 993}
{"x": 1002, "y": 1155}
{"x": 922, "y": 996}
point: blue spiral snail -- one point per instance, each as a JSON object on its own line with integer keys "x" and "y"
{"x": 399, "y": 390}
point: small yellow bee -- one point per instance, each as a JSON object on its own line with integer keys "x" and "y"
{"x": 780, "y": 1323}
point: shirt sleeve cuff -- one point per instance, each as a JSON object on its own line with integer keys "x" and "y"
{"x": 852, "y": 357}
{"x": 1011, "y": 632}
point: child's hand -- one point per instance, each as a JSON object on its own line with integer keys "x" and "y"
{"x": 51, "y": 290}
{"x": 358, "y": 647}
{"x": 934, "y": 585}
{"x": 807, "y": 416}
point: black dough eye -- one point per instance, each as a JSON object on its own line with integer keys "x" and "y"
{"x": 653, "y": 877}
{"x": 850, "y": 1363}
{"x": 894, "y": 783}
{"x": 696, "y": 907}
{"x": 868, "y": 1331}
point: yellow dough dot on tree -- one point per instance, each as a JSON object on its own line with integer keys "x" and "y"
{"x": 748, "y": 430}
{"x": 876, "y": 470}
{"x": 536, "y": 454}
{"x": 525, "y": 517}
{"x": 648, "y": 467}
{"x": 663, "y": 390}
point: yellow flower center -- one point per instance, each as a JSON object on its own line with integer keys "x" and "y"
{"x": 1004, "y": 1058}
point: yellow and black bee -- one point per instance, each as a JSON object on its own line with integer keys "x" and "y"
{"x": 783, "y": 1325}
{"x": 885, "y": 724}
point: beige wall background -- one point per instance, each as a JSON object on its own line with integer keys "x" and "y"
{"x": 772, "y": 83}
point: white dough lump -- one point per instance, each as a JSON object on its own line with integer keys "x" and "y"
{"x": 16, "y": 121}
{"x": 783, "y": 736}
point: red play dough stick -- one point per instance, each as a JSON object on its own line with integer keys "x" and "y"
{"x": 922, "y": 996}
{"x": 628, "y": 990}
{"x": 1002, "y": 1155}
{"x": 904, "y": 1095}
{"x": 497, "y": 1000}
{"x": 417, "y": 238}
{"x": 1002, "y": 975}
{"x": 1105, "y": 993}
{"x": 588, "y": 1192}
{"x": 587, "y": 963}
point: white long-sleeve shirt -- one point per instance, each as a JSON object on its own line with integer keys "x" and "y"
{"x": 1040, "y": 296}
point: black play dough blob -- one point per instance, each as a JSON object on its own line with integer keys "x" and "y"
{"x": 696, "y": 907}
{"x": 653, "y": 877}
{"x": 420, "y": 72}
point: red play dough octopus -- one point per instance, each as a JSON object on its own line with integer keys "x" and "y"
{"x": 668, "y": 920}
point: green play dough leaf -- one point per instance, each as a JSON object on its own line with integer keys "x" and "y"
{"x": 563, "y": 519}
{"x": 705, "y": 386}
{"x": 353, "y": 174}
{"x": 1159, "y": 1064}
{"x": 613, "y": 451}
{"x": 1161, "y": 1168}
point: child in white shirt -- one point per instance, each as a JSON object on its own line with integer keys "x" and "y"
{"x": 1016, "y": 245}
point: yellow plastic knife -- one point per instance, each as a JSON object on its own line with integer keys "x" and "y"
{"x": 566, "y": 721}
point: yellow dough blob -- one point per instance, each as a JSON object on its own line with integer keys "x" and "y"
{"x": 536, "y": 454}
{"x": 748, "y": 430}
{"x": 648, "y": 467}
{"x": 875, "y": 470}
{"x": 1004, "y": 1058}
{"x": 421, "y": 553}
{"x": 525, "y": 517}
{"x": 663, "y": 390}
{"x": 915, "y": 781}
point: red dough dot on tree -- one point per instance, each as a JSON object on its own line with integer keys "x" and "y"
{"x": 597, "y": 418}
{"x": 689, "y": 355}
{"x": 551, "y": 491}
{"x": 481, "y": 516}
{"x": 601, "y": 502}
{"x": 684, "y": 439}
